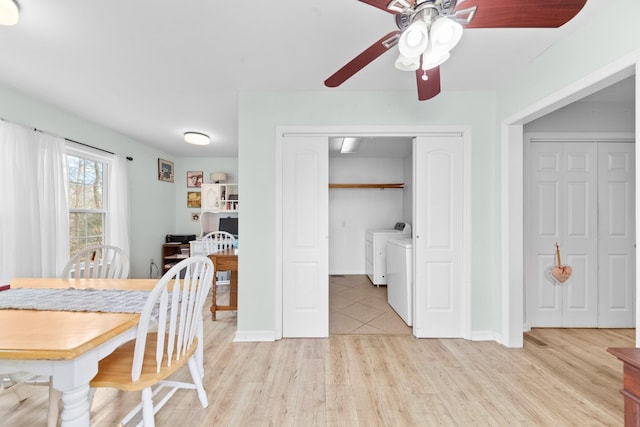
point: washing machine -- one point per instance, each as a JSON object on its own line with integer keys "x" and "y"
{"x": 400, "y": 277}
{"x": 376, "y": 251}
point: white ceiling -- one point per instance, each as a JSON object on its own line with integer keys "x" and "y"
{"x": 152, "y": 70}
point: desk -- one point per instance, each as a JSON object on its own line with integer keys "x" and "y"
{"x": 226, "y": 260}
{"x": 631, "y": 392}
{"x": 66, "y": 345}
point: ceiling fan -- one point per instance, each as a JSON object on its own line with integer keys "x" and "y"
{"x": 429, "y": 29}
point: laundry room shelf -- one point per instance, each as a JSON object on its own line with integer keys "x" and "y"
{"x": 395, "y": 185}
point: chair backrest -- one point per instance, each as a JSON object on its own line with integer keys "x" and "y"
{"x": 217, "y": 241}
{"x": 99, "y": 261}
{"x": 174, "y": 310}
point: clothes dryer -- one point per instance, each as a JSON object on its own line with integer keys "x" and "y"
{"x": 400, "y": 278}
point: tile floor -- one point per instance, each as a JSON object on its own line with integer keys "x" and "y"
{"x": 358, "y": 307}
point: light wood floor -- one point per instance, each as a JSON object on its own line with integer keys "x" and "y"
{"x": 562, "y": 377}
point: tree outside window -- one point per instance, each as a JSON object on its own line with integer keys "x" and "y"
{"x": 87, "y": 210}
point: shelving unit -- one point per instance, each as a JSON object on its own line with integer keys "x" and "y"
{"x": 218, "y": 200}
{"x": 392, "y": 185}
{"x": 172, "y": 254}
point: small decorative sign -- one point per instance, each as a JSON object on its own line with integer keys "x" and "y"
{"x": 558, "y": 273}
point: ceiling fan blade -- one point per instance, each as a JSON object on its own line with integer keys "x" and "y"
{"x": 364, "y": 59}
{"x": 384, "y": 4}
{"x": 429, "y": 88}
{"x": 522, "y": 13}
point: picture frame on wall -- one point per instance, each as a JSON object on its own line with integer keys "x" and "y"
{"x": 194, "y": 179}
{"x": 193, "y": 199}
{"x": 195, "y": 216}
{"x": 165, "y": 170}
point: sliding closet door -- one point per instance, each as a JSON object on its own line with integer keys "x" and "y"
{"x": 439, "y": 194}
{"x": 305, "y": 219}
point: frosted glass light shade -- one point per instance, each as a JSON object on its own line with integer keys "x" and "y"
{"x": 432, "y": 58}
{"x": 414, "y": 40}
{"x": 407, "y": 64}
{"x": 196, "y": 138}
{"x": 445, "y": 34}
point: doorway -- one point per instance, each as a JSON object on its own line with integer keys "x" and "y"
{"x": 356, "y": 166}
{"x": 512, "y": 148}
{"x": 580, "y": 194}
{"x": 441, "y": 255}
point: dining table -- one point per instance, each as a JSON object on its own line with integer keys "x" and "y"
{"x": 65, "y": 345}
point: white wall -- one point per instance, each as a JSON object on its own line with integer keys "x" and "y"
{"x": 354, "y": 210}
{"x": 259, "y": 116}
{"x": 157, "y": 208}
{"x": 552, "y": 80}
{"x": 587, "y": 117}
{"x": 151, "y": 216}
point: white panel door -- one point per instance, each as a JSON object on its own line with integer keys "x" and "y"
{"x": 562, "y": 208}
{"x": 438, "y": 228}
{"x": 616, "y": 229}
{"x": 305, "y": 251}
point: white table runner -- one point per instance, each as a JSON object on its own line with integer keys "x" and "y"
{"x": 95, "y": 300}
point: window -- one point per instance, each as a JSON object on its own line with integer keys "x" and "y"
{"x": 87, "y": 199}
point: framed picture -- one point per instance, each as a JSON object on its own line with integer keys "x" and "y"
{"x": 165, "y": 170}
{"x": 194, "y": 179}
{"x": 195, "y": 216}
{"x": 193, "y": 199}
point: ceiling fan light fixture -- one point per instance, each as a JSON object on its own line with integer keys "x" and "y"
{"x": 197, "y": 138}
{"x": 9, "y": 14}
{"x": 404, "y": 63}
{"x": 433, "y": 58}
{"x": 445, "y": 34}
{"x": 414, "y": 40}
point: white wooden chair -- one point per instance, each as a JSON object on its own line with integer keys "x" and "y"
{"x": 169, "y": 336}
{"x": 99, "y": 261}
{"x": 217, "y": 241}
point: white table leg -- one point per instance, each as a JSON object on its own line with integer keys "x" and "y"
{"x": 75, "y": 409}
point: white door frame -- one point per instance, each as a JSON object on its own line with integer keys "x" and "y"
{"x": 512, "y": 185}
{"x": 367, "y": 131}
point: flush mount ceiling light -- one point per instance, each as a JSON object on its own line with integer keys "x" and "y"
{"x": 197, "y": 138}
{"x": 350, "y": 145}
{"x": 8, "y": 12}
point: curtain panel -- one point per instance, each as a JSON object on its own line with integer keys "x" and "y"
{"x": 34, "y": 224}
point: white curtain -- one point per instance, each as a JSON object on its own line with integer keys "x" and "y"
{"x": 33, "y": 204}
{"x": 117, "y": 233}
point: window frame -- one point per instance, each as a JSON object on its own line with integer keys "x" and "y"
{"x": 84, "y": 152}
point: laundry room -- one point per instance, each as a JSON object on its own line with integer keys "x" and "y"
{"x": 370, "y": 190}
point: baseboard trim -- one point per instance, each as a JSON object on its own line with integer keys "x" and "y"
{"x": 485, "y": 336}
